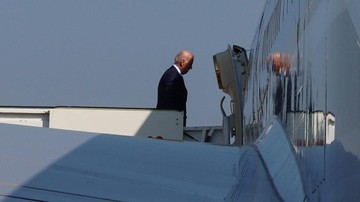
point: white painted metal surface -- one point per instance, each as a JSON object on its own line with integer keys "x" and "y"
{"x": 38, "y": 117}
{"x": 45, "y": 164}
{"x": 118, "y": 121}
{"x": 128, "y": 122}
{"x": 273, "y": 144}
{"x": 57, "y": 165}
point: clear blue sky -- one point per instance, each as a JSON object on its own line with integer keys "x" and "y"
{"x": 112, "y": 53}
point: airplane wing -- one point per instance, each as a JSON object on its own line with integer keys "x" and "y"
{"x": 41, "y": 164}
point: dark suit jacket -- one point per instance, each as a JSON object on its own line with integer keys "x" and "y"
{"x": 172, "y": 93}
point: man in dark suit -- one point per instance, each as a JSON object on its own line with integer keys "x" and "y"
{"x": 172, "y": 93}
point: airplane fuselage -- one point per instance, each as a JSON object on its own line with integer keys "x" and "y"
{"x": 305, "y": 69}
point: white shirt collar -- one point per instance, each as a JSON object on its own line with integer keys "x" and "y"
{"x": 177, "y": 68}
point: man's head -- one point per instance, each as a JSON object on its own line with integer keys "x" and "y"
{"x": 184, "y": 60}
